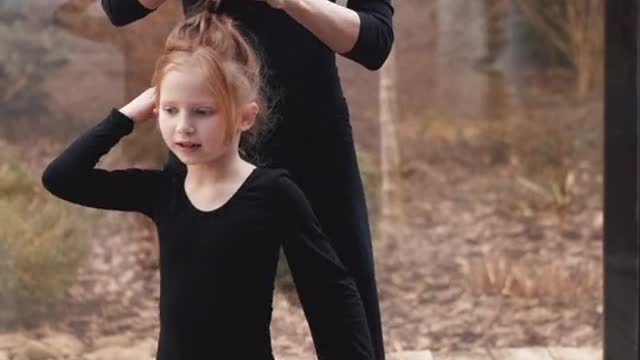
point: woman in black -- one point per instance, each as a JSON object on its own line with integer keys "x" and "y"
{"x": 313, "y": 138}
{"x": 222, "y": 223}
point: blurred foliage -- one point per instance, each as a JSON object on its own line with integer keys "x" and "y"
{"x": 27, "y": 56}
{"x": 43, "y": 241}
{"x": 576, "y": 29}
{"x": 548, "y": 156}
{"x": 144, "y": 147}
{"x": 12, "y": 11}
{"x": 284, "y": 280}
{"x": 542, "y": 125}
{"x": 372, "y": 181}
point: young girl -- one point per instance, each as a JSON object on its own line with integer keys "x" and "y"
{"x": 299, "y": 41}
{"x": 222, "y": 223}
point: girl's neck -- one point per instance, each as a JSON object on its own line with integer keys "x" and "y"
{"x": 218, "y": 171}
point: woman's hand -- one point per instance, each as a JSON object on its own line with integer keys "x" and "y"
{"x": 276, "y": 4}
{"x": 335, "y": 25}
{"x": 141, "y": 108}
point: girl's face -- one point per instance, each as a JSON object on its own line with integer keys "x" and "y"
{"x": 191, "y": 125}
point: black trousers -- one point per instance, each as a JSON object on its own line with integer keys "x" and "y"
{"x": 325, "y": 167}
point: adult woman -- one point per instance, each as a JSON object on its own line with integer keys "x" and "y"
{"x": 298, "y": 40}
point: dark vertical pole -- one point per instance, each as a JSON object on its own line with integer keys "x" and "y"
{"x": 621, "y": 251}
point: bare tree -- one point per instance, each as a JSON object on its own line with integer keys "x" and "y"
{"x": 140, "y": 44}
{"x": 391, "y": 216}
{"x": 576, "y": 28}
{"x": 495, "y": 15}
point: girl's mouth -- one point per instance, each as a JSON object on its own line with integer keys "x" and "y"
{"x": 188, "y": 145}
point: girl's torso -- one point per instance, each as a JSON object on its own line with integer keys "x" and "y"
{"x": 218, "y": 268}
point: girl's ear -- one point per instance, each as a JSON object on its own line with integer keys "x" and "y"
{"x": 154, "y": 114}
{"x": 248, "y": 115}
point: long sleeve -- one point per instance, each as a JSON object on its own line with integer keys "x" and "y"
{"x": 72, "y": 175}
{"x": 328, "y": 293}
{"x": 376, "y": 36}
{"x": 123, "y": 12}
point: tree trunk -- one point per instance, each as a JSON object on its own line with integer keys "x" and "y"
{"x": 390, "y": 202}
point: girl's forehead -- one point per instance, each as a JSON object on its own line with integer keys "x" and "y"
{"x": 184, "y": 86}
{"x": 182, "y": 76}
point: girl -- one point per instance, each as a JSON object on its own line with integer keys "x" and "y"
{"x": 222, "y": 222}
{"x": 314, "y": 141}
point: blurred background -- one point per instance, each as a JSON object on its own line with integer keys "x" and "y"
{"x": 480, "y": 148}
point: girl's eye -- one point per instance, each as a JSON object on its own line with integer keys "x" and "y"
{"x": 170, "y": 110}
{"x": 203, "y": 112}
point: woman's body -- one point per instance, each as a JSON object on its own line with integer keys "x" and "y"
{"x": 222, "y": 221}
{"x": 313, "y": 138}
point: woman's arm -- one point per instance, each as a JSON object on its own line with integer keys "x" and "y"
{"x": 72, "y": 175}
{"x": 123, "y": 12}
{"x": 327, "y": 292}
{"x": 362, "y": 32}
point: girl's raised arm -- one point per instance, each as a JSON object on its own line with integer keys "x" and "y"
{"x": 72, "y": 175}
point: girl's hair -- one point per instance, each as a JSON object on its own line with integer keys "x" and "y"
{"x": 212, "y": 43}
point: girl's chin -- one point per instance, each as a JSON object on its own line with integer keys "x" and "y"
{"x": 193, "y": 158}
{"x": 187, "y": 157}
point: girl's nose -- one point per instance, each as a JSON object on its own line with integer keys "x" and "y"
{"x": 186, "y": 129}
{"x": 184, "y": 126}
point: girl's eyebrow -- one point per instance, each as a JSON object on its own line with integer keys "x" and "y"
{"x": 192, "y": 104}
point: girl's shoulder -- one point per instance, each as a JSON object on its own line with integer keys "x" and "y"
{"x": 281, "y": 186}
{"x": 267, "y": 178}
{"x": 273, "y": 180}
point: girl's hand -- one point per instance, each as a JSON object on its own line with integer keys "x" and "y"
{"x": 141, "y": 108}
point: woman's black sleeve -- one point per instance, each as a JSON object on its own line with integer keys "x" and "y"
{"x": 123, "y": 12}
{"x": 375, "y": 38}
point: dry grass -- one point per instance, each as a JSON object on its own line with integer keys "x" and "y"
{"x": 554, "y": 282}
{"x": 43, "y": 241}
